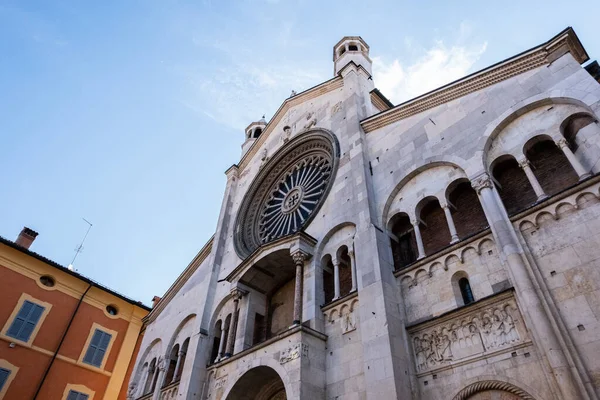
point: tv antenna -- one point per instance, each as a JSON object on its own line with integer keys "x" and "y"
{"x": 79, "y": 248}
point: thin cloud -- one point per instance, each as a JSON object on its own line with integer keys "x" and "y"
{"x": 438, "y": 66}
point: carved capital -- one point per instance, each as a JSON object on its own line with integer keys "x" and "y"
{"x": 481, "y": 182}
{"x": 414, "y": 222}
{"x": 524, "y": 163}
{"x": 237, "y": 293}
{"x": 562, "y": 142}
{"x": 299, "y": 257}
{"x": 351, "y": 253}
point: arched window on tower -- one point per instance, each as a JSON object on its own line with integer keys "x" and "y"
{"x": 352, "y": 47}
{"x": 257, "y": 133}
{"x": 465, "y": 291}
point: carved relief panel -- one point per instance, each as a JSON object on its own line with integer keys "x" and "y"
{"x": 494, "y": 325}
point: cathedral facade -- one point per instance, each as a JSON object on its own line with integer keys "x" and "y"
{"x": 444, "y": 248}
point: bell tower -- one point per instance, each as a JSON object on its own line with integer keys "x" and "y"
{"x": 351, "y": 49}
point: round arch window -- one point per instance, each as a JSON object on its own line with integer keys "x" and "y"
{"x": 112, "y": 310}
{"x": 288, "y": 191}
{"x": 47, "y": 280}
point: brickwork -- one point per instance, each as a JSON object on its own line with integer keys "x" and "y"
{"x": 468, "y": 215}
{"x": 551, "y": 167}
{"x": 434, "y": 231}
{"x": 515, "y": 190}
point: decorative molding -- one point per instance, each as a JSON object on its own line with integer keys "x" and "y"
{"x": 483, "y": 386}
{"x": 289, "y": 103}
{"x": 552, "y": 208}
{"x": 564, "y": 42}
{"x": 489, "y": 326}
{"x": 343, "y": 311}
{"x": 444, "y": 258}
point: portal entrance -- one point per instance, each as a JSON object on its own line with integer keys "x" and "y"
{"x": 260, "y": 383}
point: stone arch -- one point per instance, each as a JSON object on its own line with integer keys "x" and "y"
{"x": 173, "y": 341}
{"x": 473, "y": 389}
{"x": 567, "y": 97}
{"x": 329, "y": 237}
{"x": 267, "y": 368}
{"x": 431, "y": 162}
{"x": 152, "y": 350}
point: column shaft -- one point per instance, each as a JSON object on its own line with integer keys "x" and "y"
{"x": 451, "y": 226}
{"x": 353, "y": 270}
{"x": 535, "y": 184}
{"x": 579, "y": 169}
{"x": 299, "y": 261}
{"x": 336, "y": 278}
{"x": 232, "y": 329}
{"x": 221, "y": 343}
{"x": 177, "y": 372}
{"x": 419, "y": 239}
{"x": 539, "y": 318}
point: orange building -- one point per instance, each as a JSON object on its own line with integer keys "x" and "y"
{"x": 63, "y": 336}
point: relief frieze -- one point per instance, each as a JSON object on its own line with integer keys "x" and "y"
{"x": 489, "y": 327}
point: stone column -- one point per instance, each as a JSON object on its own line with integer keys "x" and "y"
{"x": 537, "y": 188}
{"x": 353, "y": 269}
{"x": 299, "y": 257}
{"x": 579, "y": 169}
{"x": 451, "y": 226}
{"x": 336, "y": 278}
{"x": 221, "y": 342}
{"x": 237, "y": 295}
{"x": 177, "y": 373}
{"x": 419, "y": 239}
{"x": 565, "y": 378}
{"x": 161, "y": 368}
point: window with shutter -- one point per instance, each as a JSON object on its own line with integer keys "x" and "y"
{"x": 4, "y": 374}
{"x": 24, "y": 323}
{"x": 97, "y": 348}
{"x": 74, "y": 395}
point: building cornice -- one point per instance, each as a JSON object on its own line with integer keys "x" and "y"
{"x": 180, "y": 281}
{"x": 293, "y": 101}
{"x": 380, "y": 102}
{"x": 565, "y": 42}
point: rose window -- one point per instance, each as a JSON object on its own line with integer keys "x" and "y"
{"x": 294, "y": 198}
{"x": 287, "y": 191}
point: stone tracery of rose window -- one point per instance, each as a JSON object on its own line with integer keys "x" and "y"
{"x": 288, "y": 191}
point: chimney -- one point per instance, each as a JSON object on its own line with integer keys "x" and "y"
{"x": 155, "y": 301}
{"x": 26, "y": 237}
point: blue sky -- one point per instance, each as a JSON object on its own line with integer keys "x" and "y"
{"x": 128, "y": 112}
